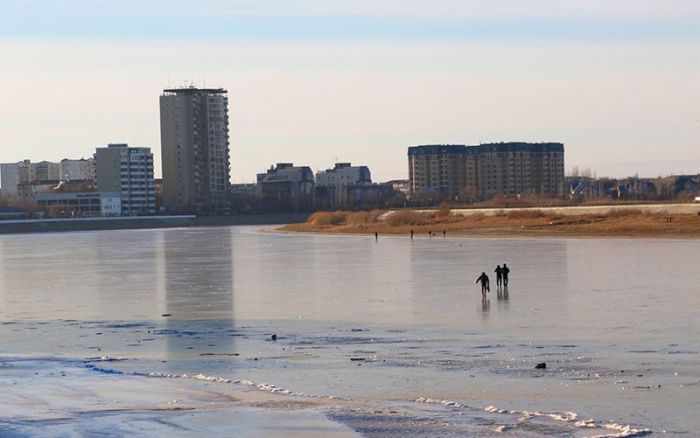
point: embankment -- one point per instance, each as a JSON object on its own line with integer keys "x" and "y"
{"x": 679, "y": 220}
{"x": 126, "y": 223}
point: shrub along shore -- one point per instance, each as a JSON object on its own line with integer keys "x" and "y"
{"x": 505, "y": 223}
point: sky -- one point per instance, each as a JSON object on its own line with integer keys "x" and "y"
{"x": 319, "y": 81}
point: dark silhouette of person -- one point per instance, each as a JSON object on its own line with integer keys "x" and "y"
{"x": 484, "y": 279}
{"x": 505, "y": 271}
{"x": 499, "y": 276}
{"x": 444, "y": 233}
{"x": 430, "y": 233}
{"x": 411, "y": 234}
{"x": 376, "y": 236}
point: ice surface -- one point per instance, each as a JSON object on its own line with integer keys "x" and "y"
{"x": 363, "y": 329}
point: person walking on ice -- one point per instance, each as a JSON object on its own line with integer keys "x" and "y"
{"x": 499, "y": 276}
{"x": 505, "y": 272}
{"x": 484, "y": 279}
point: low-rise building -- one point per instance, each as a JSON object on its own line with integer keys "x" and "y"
{"x": 401, "y": 185}
{"x": 344, "y": 174}
{"x": 79, "y": 204}
{"x": 343, "y": 186}
{"x": 286, "y": 187}
{"x": 31, "y": 189}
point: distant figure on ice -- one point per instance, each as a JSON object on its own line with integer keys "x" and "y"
{"x": 444, "y": 233}
{"x": 411, "y": 234}
{"x": 505, "y": 272}
{"x": 484, "y": 279}
{"x": 376, "y": 236}
{"x": 499, "y": 276}
{"x": 430, "y": 233}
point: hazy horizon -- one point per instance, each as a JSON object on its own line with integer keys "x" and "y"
{"x": 315, "y": 82}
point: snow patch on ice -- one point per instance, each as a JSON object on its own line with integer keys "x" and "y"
{"x": 266, "y": 387}
{"x": 616, "y": 430}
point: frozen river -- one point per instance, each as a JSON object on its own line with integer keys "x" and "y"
{"x": 170, "y": 331}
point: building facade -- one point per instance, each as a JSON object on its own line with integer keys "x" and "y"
{"x": 285, "y": 188}
{"x": 195, "y": 149}
{"x": 127, "y": 171}
{"x": 30, "y": 190}
{"x": 80, "y": 204}
{"x": 461, "y": 172}
{"x": 344, "y": 174}
{"x": 439, "y": 170}
{"x": 9, "y": 178}
{"x": 343, "y": 186}
{"x": 82, "y": 169}
{"x": 14, "y": 175}
{"x": 47, "y": 171}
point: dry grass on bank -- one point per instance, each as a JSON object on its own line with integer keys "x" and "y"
{"x": 616, "y": 223}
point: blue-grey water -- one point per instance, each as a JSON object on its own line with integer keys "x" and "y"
{"x": 392, "y": 335}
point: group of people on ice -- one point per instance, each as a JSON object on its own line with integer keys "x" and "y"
{"x": 501, "y": 279}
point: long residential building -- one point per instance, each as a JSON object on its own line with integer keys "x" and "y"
{"x": 127, "y": 171}
{"x": 13, "y": 176}
{"x": 460, "y": 172}
{"x": 195, "y": 149}
{"x": 79, "y": 204}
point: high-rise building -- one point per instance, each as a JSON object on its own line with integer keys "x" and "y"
{"x": 481, "y": 172}
{"x": 195, "y": 149}
{"x": 127, "y": 171}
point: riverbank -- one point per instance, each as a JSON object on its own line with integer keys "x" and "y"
{"x": 678, "y": 221}
{"x": 131, "y": 223}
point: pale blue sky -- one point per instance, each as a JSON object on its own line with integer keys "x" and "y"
{"x": 312, "y": 81}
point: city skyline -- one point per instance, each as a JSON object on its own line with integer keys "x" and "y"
{"x": 320, "y": 82}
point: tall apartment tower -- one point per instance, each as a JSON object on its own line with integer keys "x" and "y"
{"x": 129, "y": 172}
{"x": 195, "y": 149}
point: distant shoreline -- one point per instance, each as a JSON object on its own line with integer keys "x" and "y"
{"x": 145, "y": 222}
{"x": 653, "y": 221}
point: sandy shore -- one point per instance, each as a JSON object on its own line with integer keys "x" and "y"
{"x": 629, "y": 222}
